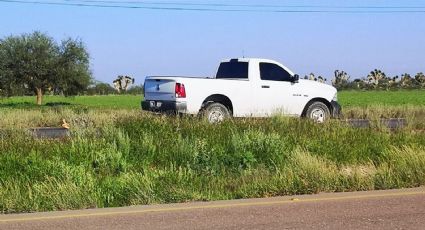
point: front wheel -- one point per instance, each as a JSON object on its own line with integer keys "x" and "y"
{"x": 318, "y": 112}
{"x": 215, "y": 112}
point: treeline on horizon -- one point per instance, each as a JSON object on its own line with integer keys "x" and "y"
{"x": 96, "y": 88}
{"x": 36, "y": 64}
{"x": 378, "y": 80}
{"x": 375, "y": 80}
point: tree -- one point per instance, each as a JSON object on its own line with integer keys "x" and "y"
{"x": 135, "y": 90}
{"x": 341, "y": 79}
{"x": 36, "y": 61}
{"x": 375, "y": 77}
{"x": 406, "y": 81}
{"x": 358, "y": 83}
{"x": 321, "y": 79}
{"x": 420, "y": 79}
{"x": 73, "y": 69}
{"x": 392, "y": 82}
{"x": 122, "y": 83}
{"x": 311, "y": 77}
{"x": 100, "y": 88}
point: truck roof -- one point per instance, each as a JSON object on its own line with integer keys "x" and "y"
{"x": 244, "y": 59}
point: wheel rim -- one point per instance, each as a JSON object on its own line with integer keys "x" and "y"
{"x": 216, "y": 116}
{"x": 318, "y": 115}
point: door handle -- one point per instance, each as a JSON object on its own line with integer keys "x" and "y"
{"x": 265, "y": 86}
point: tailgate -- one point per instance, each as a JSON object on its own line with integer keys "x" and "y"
{"x": 160, "y": 89}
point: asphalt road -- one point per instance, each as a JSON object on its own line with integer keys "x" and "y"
{"x": 392, "y": 209}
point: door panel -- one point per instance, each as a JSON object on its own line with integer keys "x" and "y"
{"x": 275, "y": 98}
{"x": 276, "y": 93}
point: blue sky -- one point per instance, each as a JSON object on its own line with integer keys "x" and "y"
{"x": 140, "y": 42}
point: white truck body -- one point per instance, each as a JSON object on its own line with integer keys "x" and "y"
{"x": 251, "y": 96}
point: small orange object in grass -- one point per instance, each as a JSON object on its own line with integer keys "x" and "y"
{"x": 64, "y": 124}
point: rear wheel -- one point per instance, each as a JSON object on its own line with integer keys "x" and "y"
{"x": 318, "y": 112}
{"x": 215, "y": 112}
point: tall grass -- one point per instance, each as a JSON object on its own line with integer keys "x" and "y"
{"x": 125, "y": 157}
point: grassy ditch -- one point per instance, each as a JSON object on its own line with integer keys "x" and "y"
{"x": 124, "y": 157}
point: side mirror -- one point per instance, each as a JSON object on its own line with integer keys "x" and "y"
{"x": 295, "y": 78}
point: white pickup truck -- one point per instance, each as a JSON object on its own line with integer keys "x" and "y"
{"x": 242, "y": 87}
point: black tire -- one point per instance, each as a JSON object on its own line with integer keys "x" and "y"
{"x": 215, "y": 112}
{"x": 318, "y": 112}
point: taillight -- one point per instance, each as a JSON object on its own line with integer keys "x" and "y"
{"x": 180, "y": 91}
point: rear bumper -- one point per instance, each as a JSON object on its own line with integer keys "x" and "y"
{"x": 336, "y": 109}
{"x": 164, "y": 106}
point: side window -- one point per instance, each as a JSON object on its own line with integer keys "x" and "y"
{"x": 273, "y": 72}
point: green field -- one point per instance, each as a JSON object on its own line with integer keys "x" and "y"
{"x": 382, "y": 98}
{"x": 346, "y": 98}
{"x": 108, "y": 101}
{"x": 120, "y": 156}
